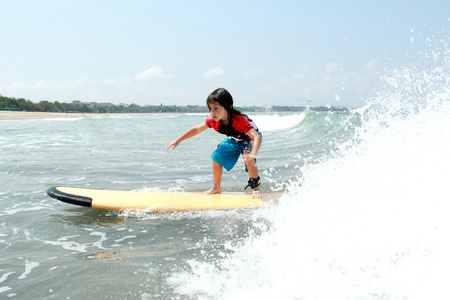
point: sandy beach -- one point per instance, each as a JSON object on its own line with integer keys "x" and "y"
{"x": 14, "y": 115}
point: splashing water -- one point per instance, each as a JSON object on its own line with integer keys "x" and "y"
{"x": 370, "y": 222}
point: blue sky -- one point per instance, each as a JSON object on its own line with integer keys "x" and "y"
{"x": 177, "y": 52}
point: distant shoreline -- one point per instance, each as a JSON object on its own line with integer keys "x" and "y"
{"x": 17, "y": 115}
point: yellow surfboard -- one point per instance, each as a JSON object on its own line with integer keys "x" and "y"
{"x": 157, "y": 201}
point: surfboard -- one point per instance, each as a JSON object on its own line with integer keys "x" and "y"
{"x": 157, "y": 201}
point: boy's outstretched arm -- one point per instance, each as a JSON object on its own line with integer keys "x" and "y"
{"x": 188, "y": 134}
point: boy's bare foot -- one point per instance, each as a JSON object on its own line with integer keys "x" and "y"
{"x": 214, "y": 190}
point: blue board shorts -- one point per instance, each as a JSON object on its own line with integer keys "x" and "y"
{"x": 228, "y": 152}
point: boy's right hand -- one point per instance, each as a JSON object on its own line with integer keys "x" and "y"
{"x": 172, "y": 145}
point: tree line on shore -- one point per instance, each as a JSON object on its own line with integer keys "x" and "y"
{"x": 21, "y": 104}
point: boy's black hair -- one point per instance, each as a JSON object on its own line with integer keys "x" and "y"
{"x": 224, "y": 98}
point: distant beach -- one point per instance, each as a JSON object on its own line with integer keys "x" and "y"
{"x": 14, "y": 115}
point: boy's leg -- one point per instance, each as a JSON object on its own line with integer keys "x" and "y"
{"x": 252, "y": 168}
{"x": 253, "y": 173}
{"x": 246, "y": 149}
{"x": 225, "y": 156}
{"x": 217, "y": 173}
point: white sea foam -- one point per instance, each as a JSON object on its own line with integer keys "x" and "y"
{"x": 276, "y": 122}
{"x": 68, "y": 244}
{"x": 28, "y": 267}
{"x": 4, "y": 289}
{"x": 5, "y": 276}
{"x": 125, "y": 238}
{"x": 371, "y": 222}
{"x": 32, "y": 208}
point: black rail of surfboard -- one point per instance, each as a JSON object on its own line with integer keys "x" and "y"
{"x": 69, "y": 198}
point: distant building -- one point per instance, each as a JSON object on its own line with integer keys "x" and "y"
{"x": 91, "y": 104}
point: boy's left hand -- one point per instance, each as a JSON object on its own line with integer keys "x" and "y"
{"x": 248, "y": 157}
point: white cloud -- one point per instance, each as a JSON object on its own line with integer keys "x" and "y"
{"x": 327, "y": 78}
{"x": 154, "y": 73}
{"x": 372, "y": 65}
{"x": 298, "y": 76}
{"x": 50, "y": 90}
{"x": 317, "y": 83}
{"x": 131, "y": 87}
{"x": 332, "y": 67}
{"x": 215, "y": 72}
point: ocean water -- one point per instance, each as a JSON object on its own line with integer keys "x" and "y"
{"x": 364, "y": 215}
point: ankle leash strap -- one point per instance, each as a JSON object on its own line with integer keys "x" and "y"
{"x": 253, "y": 183}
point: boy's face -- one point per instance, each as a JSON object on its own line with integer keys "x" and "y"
{"x": 218, "y": 112}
